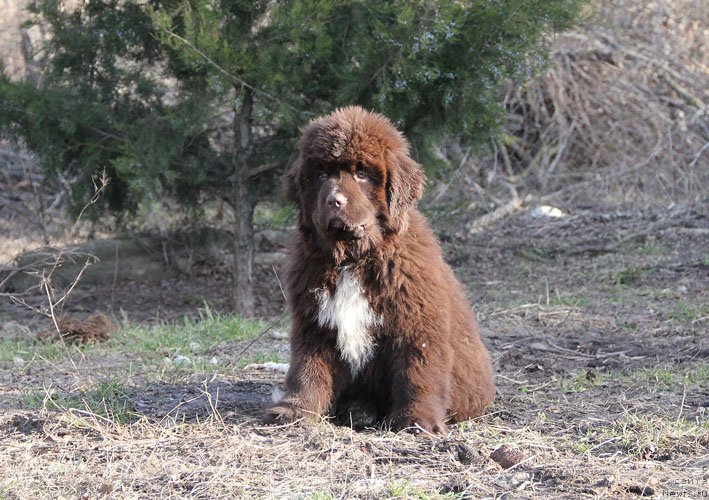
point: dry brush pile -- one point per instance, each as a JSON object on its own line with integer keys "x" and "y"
{"x": 618, "y": 117}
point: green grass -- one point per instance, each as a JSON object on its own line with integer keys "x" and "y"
{"x": 687, "y": 311}
{"x": 569, "y": 301}
{"x": 581, "y": 381}
{"x": 629, "y": 276}
{"x": 195, "y": 335}
{"x": 651, "y": 248}
{"x": 667, "y": 378}
{"x": 404, "y": 489}
{"x": 27, "y": 350}
{"x": 673, "y": 378}
{"x": 641, "y": 435}
{"x": 108, "y": 399}
{"x": 321, "y": 496}
{"x": 190, "y": 337}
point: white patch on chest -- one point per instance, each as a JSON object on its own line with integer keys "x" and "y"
{"x": 348, "y": 313}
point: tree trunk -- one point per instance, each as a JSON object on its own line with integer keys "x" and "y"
{"x": 243, "y": 204}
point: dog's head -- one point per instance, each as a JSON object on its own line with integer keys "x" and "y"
{"x": 354, "y": 181}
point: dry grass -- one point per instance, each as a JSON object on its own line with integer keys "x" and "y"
{"x": 619, "y": 118}
{"x": 602, "y": 389}
{"x": 596, "y": 322}
{"x": 79, "y": 454}
{"x": 625, "y": 99}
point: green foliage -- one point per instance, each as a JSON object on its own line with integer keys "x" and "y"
{"x": 99, "y": 107}
{"x": 138, "y": 88}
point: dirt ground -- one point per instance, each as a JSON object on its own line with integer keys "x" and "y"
{"x": 597, "y": 323}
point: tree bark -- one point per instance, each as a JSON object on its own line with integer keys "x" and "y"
{"x": 243, "y": 201}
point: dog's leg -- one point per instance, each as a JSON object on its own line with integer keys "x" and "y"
{"x": 311, "y": 387}
{"x": 420, "y": 391}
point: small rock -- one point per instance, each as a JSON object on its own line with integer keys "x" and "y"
{"x": 194, "y": 346}
{"x": 454, "y": 488}
{"x": 466, "y": 455}
{"x": 606, "y": 482}
{"x": 214, "y": 361}
{"x": 278, "y": 335}
{"x": 521, "y": 480}
{"x": 105, "y": 489}
{"x": 18, "y": 361}
{"x": 269, "y": 365}
{"x": 507, "y": 456}
{"x": 546, "y": 211}
{"x": 643, "y": 491}
{"x": 181, "y": 360}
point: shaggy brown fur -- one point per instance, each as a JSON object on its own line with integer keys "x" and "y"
{"x": 378, "y": 317}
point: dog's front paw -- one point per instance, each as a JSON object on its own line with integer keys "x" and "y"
{"x": 428, "y": 428}
{"x": 419, "y": 424}
{"x": 283, "y": 413}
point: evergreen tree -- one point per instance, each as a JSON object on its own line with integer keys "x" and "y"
{"x": 137, "y": 87}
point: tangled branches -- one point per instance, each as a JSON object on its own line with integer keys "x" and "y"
{"x": 621, "y": 113}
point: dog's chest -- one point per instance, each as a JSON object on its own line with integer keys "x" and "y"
{"x": 348, "y": 312}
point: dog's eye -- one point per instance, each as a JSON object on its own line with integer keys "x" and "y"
{"x": 361, "y": 175}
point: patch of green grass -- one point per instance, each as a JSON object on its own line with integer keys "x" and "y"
{"x": 629, "y": 276}
{"x": 649, "y": 248}
{"x": 195, "y": 335}
{"x": 687, "y": 311}
{"x": 108, "y": 399}
{"x": 581, "y": 381}
{"x": 569, "y": 301}
{"x": 673, "y": 378}
{"x": 538, "y": 253}
{"x": 191, "y": 337}
{"x": 585, "y": 442}
{"x": 641, "y": 434}
{"x": 321, "y": 496}
{"x": 194, "y": 300}
{"x": 10, "y": 350}
{"x": 404, "y": 489}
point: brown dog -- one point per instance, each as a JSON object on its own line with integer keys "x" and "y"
{"x": 378, "y": 317}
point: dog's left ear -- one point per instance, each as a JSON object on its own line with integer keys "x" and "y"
{"x": 404, "y": 187}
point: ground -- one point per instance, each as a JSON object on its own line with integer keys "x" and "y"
{"x": 597, "y": 323}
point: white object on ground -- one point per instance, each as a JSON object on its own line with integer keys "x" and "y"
{"x": 270, "y": 366}
{"x": 546, "y": 211}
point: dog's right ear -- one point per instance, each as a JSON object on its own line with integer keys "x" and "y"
{"x": 290, "y": 184}
{"x": 404, "y": 188}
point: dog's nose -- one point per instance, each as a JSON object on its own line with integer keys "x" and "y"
{"x": 336, "y": 199}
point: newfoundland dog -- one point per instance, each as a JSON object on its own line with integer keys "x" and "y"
{"x": 379, "y": 320}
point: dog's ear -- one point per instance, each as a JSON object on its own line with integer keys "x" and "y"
{"x": 290, "y": 184}
{"x": 404, "y": 188}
